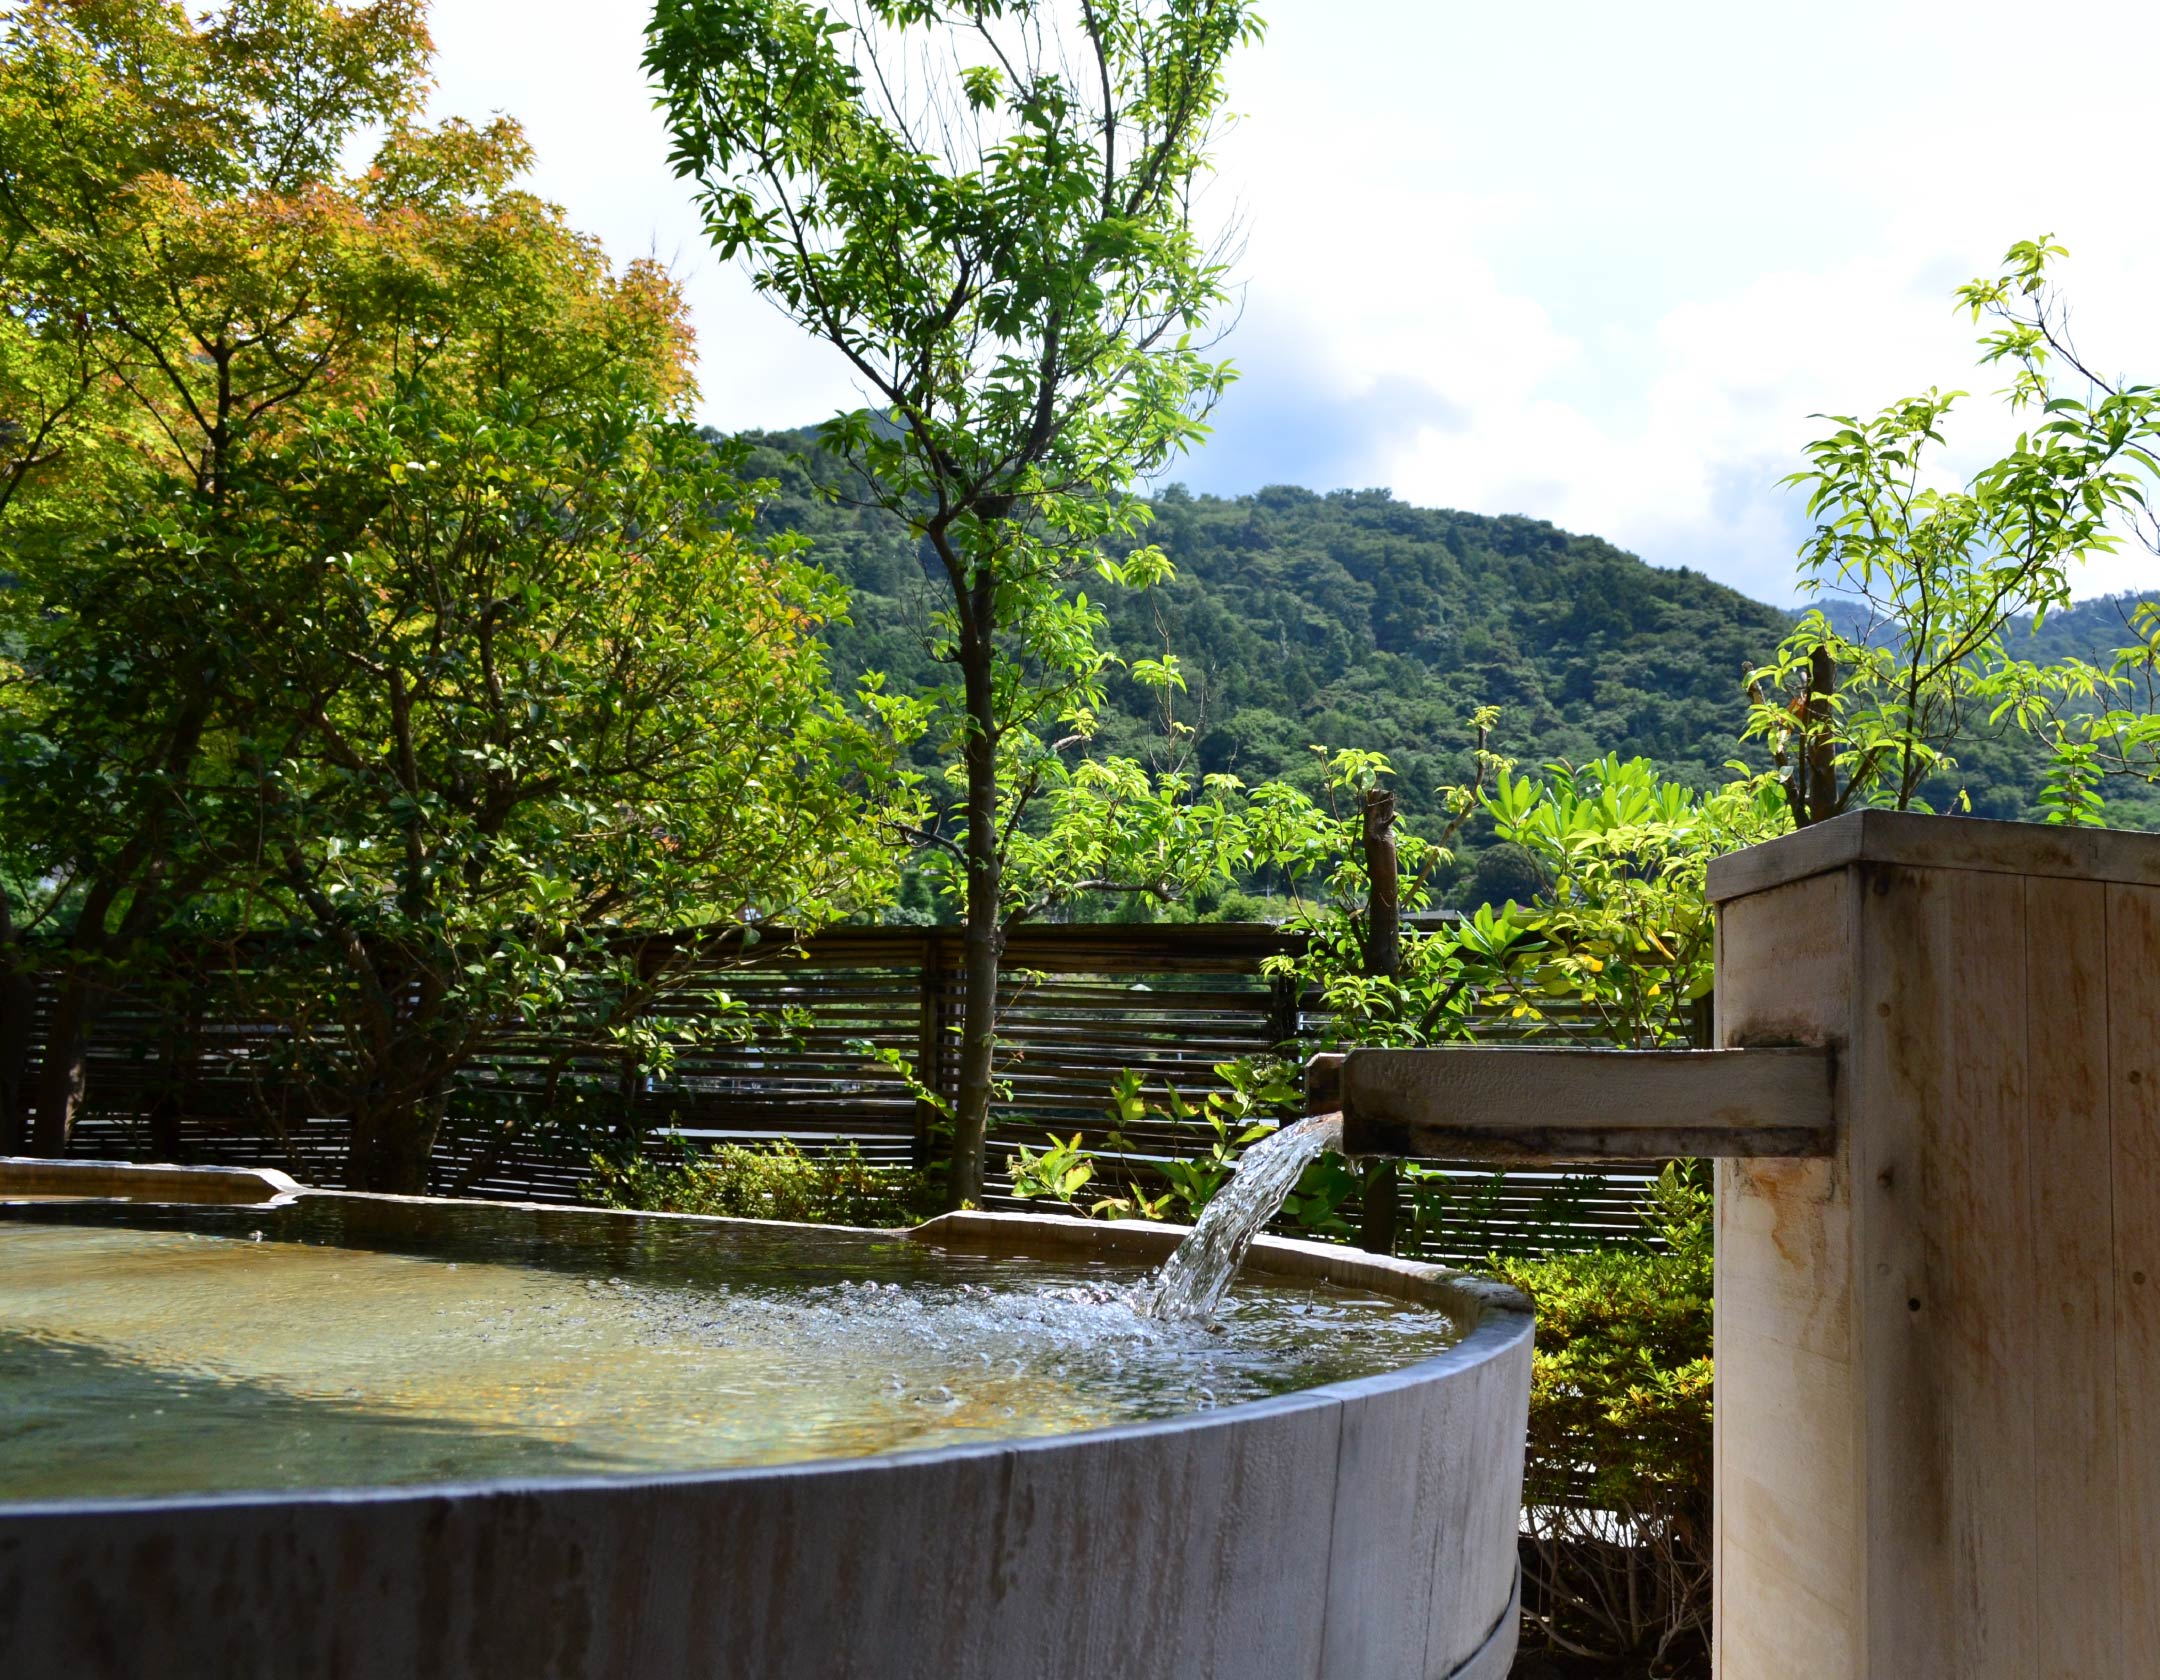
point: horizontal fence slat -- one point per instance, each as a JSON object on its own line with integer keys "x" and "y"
{"x": 1079, "y": 1006}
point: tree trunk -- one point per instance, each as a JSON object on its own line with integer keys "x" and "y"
{"x": 140, "y": 874}
{"x": 1383, "y": 956}
{"x": 1820, "y": 740}
{"x": 1383, "y": 902}
{"x": 393, "y": 1146}
{"x": 63, "y": 1070}
{"x": 18, "y": 999}
{"x": 182, "y": 1027}
{"x": 985, "y": 940}
{"x": 65, "y": 1074}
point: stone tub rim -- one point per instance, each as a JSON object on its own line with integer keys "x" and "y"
{"x": 1281, "y": 1554}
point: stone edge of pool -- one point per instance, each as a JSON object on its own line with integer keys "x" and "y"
{"x": 26, "y": 1177}
{"x": 1186, "y": 1546}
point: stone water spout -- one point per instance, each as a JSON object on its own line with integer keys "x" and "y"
{"x": 1504, "y": 1105}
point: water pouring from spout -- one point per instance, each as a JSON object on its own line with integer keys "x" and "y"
{"x": 1194, "y": 1280}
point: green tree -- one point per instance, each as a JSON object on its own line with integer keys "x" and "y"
{"x": 987, "y": 208}
{"x": 557, "y": 726}
{"x": 1615, "y": 946}
{"x": 383, "y": 620}
{"x": 184, "y": 270}
{"x": 2100, "y": 720}
{"x": 1505, "y": 874}
{"x": 1930, "y": 577}
{"x": 1620, "y": 945}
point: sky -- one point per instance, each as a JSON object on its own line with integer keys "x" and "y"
{"x": 1588, "y": 263}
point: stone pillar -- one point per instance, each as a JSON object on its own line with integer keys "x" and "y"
{"x": 1938, "y": 1390}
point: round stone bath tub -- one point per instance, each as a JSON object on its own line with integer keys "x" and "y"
{"x": 1362, "y": 1530}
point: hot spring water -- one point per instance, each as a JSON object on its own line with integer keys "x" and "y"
{"x": 348, "y": 1341}
{"x": 1193, "y": 1282}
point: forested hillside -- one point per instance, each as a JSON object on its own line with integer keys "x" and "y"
{"x": 2001, "y": 770}
{"x": 1355, "y": 619}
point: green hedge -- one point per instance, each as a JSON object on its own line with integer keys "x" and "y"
{"x": 775, "y": 1182}
{"x": 1616, "y": 1490}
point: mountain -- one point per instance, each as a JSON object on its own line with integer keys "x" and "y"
{"x": 1352, "y": 619}
{"x": 2002, "y": 770}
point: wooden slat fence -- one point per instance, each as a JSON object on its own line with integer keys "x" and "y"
{"x": 1079, "y": 1005}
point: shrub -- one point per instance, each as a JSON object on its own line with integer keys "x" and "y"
{"x": 1616, "y": 1490}
{"x": 1505, "y": 874}
{"x": 775, "y": 1182}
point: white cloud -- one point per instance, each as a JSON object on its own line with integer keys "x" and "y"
{"x": 1591, "y": 264}
{"x": 570, "y": 72}
{"x": 1629, "y": 265}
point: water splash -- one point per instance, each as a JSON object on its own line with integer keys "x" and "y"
{"x": 1194, "y": 1280}
{"x": 147, "y": 1350}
